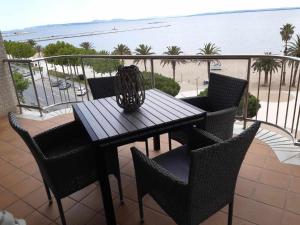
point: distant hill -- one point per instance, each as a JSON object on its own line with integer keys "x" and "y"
{"x": 122, "y": 20}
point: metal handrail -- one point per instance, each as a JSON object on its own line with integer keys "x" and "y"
{"x": 158, "y": 57}
{"x": 248, "y": 58}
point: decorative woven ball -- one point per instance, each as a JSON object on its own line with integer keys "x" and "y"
{"x": 129, "y": 88}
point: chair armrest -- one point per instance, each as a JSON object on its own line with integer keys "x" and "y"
{"x": 199, "y": 138}
{"x": 151, "y": 176}
{"x": 220, "y": 123}
{"x": 57, "y": 134}
{"x": 200, "y": 102}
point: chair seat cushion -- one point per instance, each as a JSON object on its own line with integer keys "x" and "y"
{"x": 177, "y": 162}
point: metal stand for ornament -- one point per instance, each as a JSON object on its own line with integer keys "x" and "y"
{"x": 129, "y": 88}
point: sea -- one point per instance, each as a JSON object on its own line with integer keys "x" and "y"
{"x": 240, "y": 32}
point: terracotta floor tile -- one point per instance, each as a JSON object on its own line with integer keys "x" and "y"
{"x": 23, "y": 159}
{"x": 276, "y": 165}
{"x": 6, "y": 168}
{"x": 260, "y": 149}
{"x": 275, "y": 179}
{"x": 97, "y": 220}
{"x": 93, "y": 200}
{"x": 293, "y": 202}
{"x": 25, "y": 187}
{"x": 255, "y": 159}
{"x": 20, "y": 209}
{"x": 151, "y": 217}
{"x": 79, "y": 195}
{"x": 270, "y": 195}
{"x": 290, "y": 219}
{"x": 6, "y": 199}
{"x": 124, "y": 211}
{"x": 252, "y": 203}
{"x": 295, "y": 169}
{"x": 256, "y": 212}
{"x": 128, "y": 169}
{"x": 219, "y": 218}
{"x": 125, "y": 180}
{"x": 51, "y": 211}
{"x": 123, "y": 160}
{"x": 13, "y": 178}
{"x": 37, "y": 219}
{"x": 37, "y": 198}
{"x": 30, "y": 168}
{"x": 78, "y": 215}
{"x": 244, "y": 187}
{"x": 295, "y": 185}
{"x": 250, "y": 172}
{"x": 130, "y": 191}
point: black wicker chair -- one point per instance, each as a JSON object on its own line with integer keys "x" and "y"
{"x": 102, "y": 87}
{"x": 66, "y": 159}
{"x": 223, "y": 97}
{"x": 191, "y": 185}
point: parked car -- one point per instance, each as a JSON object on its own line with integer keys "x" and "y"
{"x": 56, "y": 83}
{"x": 80, "y": 91}
{"x": 64, "y": 86}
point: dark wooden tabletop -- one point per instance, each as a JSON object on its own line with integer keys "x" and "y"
{"x": 106, "y": 122}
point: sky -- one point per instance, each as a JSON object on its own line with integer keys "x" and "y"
{"x": 18, "y": 14}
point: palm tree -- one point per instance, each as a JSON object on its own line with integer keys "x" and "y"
{"x": 172, "y": 50}
{"x": 121, "y": 49}
{"x": 294, "y": 50}
{"x": 39, "y": 49}
{"x": 209, "y": 49}
{"x": 87, "y": 45}
{"x": 286, "y": 32}
{"x": 143, "y": 50}
{"x": 268, "y": 65}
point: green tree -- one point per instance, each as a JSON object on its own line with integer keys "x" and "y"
{"x": 104, "y": 65}
{"x": 143, "y": 50}
{"x": 209, "y": 49}
{"x": 62, "y": 48}
{"x": 31, "y": 42}
{"x": 21, "y": 50}
{"x": 294, "y": 50}
{"x": 173, "y": 50}
{"x": 121, "y": 49}
{"x": 21, "y": 84}
{"x": 286, "y": 32}
{"x": 163, "y": 83}
{"x": 87, "y": 45}
{"x": 267, "y": 64}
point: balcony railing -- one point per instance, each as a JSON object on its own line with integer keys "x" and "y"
{"x": 279, "y": 100}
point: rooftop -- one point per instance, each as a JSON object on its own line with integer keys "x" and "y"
{"x": 267, "y": 192}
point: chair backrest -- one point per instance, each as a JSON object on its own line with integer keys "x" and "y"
{"x": 102, "y": 87}
{"x": 224, "y": 91}
{"x": 213, "y": 173}
{"x": 29, "y": 141}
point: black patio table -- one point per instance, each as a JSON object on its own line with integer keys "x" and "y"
{"x": 108, "y": 125}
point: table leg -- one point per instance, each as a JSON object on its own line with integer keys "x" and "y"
{"x": 156, "y": 142}
{"x": 105, "y": 188}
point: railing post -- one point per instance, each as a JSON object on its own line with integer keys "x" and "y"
{"x": 245, "y": 113}
{"x": 35, "y": 90}
{"x": 85, "y": 81}
{"x": 152, "y": 74}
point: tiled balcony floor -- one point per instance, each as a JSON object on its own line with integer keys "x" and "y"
{"x": 267, "y": 192}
